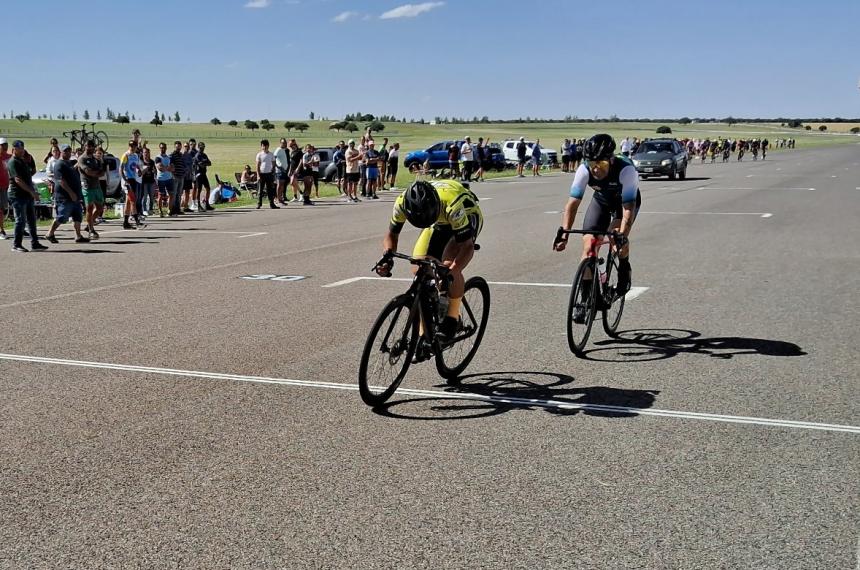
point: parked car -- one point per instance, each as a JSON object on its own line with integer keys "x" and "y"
{"x": 438, "y": 154}
{"x": 509, "y": 148}
{"x": 661, "y": 157}
{"x": 114, "y": 188}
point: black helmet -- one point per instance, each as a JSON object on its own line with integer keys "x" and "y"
{"x": 421, "y": 204}
{"x": 599, "y": 147}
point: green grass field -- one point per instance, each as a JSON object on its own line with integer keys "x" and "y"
{"x": 230, "y": 148}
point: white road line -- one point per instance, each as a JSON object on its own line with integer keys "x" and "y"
{"x": 631, "y": 294}
{"x": 525, "y": 402}
{"x": 760, "y": 214}
{"x": 553, "y": 212}
{"x": 157, "y": 278}
{"x": 185, "y": 232}
{"x": 739, "y": 188}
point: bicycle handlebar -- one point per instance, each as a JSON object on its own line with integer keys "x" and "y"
{"x": 438, "y": 268}
{"x": 617, "y": 236}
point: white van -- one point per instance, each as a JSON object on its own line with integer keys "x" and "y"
{"x": 509, "y": 148}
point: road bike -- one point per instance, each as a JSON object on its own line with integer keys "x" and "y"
{"x": 409, "y": 323}
{"x": 78, "y": 138}
{"x": 589, "y": 294}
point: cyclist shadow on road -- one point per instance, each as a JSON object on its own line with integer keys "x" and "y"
{"x": 494, "y": 393}
{"x": 659, "y": 344}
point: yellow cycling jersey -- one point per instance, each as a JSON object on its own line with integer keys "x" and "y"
{"x": 459, "y": 209}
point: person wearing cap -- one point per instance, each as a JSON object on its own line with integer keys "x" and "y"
{"x": 67, "y": 196}
{"x": 4, "y": 186}
{"x": 23, "y": 197}
{"x": 521, "y": 156}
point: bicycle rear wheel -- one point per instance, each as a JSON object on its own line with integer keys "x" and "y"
{"x": 474, "y": 310}
{"x": 612, "y": 313}
{"x": 388, "y": 351}
{"x": 583, "y": 295}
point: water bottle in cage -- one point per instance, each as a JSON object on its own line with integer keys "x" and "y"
{"x": 601, "y": 269}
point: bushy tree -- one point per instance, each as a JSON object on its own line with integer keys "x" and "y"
{"x": 98, "y": 115}
{"x": 176, "y": 118}
{"x": 337, "y": 126}
{"x": 215, "y": 121}
{"x": 807, "y": 127}
{"x": 311, "y": 116}
{"x": 290, "y": 125}
{"x": 302, "y": 127}
{"x": 663, "y": 130}
{"x": 122, "y": 119}
{"x": 822, "y": 128}
{"x": 855, "y": 130}
{"x": 233, "y": 123}
{"x": 685, "y": 120}
{"x": 21, "y": 118}
{"x": 350, "y": 127}
{"x": 795, "y": 123}
{"x": 375, "y": 126}
{"x": 268, "y": 127}
{"x": 86, "y": 115}
{"x": 251, "y": 125}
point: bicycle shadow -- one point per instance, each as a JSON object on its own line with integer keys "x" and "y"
{"x": 493, "y": 393}
{"x": 660, "y": 344}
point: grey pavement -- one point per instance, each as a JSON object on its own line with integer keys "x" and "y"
{"x": 241, "y": 441}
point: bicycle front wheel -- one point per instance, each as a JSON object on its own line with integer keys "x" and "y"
{"x": 388, "y": 351}
{"x": 453, "y": 359}
{"x": 101, "y": 139}
{"x": 614, "y": 304}
{"x": 581, "y": 308}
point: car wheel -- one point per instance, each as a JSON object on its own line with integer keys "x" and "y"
{"x": 672, "y": 174}
{"x": 683, "y": 174}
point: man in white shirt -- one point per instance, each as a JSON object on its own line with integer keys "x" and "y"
{"x": 468, "y": 156}
{"x": 266, "y": 175}
{"x": 625, "y": 146}
{"x": 282, "y": 169}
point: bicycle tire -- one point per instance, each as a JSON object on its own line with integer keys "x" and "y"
{"x": 101, "y": 139}
{"x": 610, "y": 317}
{"x": 451, "y": 363}
{"x": 576, "y": 346}
{"x": 406, "y": 344}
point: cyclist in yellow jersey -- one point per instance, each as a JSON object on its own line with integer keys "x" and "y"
{"x": 451, "y": 220}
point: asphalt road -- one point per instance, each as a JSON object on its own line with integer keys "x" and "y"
{"x": 193, "y": 419}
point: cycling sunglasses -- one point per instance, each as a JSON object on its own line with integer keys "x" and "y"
{"x": 597, "y": 164}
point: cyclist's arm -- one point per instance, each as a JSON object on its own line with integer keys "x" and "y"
{"x": 577, "y": 191}
{"x": 629, "y": 180}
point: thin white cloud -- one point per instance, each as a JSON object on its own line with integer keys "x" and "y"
{"x": 344, "y": 16}
{"x": 410, "y": 10}
{"x": 258, "y": 3}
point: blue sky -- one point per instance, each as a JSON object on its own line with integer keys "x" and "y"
{"x": 276, "y": 59}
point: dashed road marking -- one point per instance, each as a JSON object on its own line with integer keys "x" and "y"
{"x": 760, "y": 214}
{"x": 631, "y": 294}
{"x": 512, "y": 401}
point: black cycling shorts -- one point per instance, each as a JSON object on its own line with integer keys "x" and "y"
{"x": 601, "y": 212}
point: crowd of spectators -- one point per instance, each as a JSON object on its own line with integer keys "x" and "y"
{"x": 77, "y": 181}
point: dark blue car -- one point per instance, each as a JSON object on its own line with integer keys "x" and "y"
{"x": 438, "y": 154}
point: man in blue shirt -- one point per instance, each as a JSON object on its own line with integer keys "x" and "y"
{"x": 67, "y": 196}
